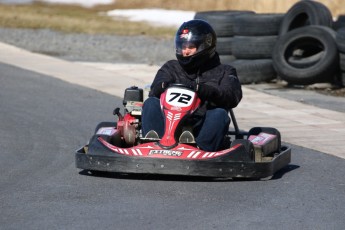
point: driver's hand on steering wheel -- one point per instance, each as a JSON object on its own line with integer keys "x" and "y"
{"x": 159, "y": 88}
{"x": 207, "y": 92}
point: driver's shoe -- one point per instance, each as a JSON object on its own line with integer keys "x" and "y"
{"x": 187, "y": 137}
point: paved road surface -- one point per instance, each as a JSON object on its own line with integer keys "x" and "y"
{"x": 43, "y": 120}
{"x": 301, "y": 124}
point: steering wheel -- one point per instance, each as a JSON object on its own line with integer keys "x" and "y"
{"x": 181, "y": 85}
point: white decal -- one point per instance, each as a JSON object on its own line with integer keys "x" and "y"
{"x": 134, "y": 152}
{"x": 166, "y": 152}
{"x": 211, "y": 155}
{"x": 206, "y": 154}
{"x": 139, "y": 152}
{"x": 191, "y": 154}
{"x": 196, "y": 155}
{"x": 179, "y": 97}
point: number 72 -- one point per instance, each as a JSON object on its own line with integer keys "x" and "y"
{"x": 180, "y": 97}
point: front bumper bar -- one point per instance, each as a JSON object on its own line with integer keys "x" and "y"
{"x": 203, "y": 168}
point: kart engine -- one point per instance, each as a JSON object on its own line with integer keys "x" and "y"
{"x": 129, "y": 124}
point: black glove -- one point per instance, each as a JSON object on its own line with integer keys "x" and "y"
{"x": 159, "y": 88}
{"x": 207, "y": 92}
{"x": 193, "y": 86}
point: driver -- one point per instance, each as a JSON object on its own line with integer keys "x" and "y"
{"x": 197, "y": 66}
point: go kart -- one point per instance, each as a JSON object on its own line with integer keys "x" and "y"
{"x": 120, "y": 146}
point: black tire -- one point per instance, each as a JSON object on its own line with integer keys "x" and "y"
{"x": 340, "y": 22}
{"x": 342, "y": 61}
{"x": 226, "y": 59}
{"x": 311, "y": 39}
{"x": 224, "y": 45}
{"x": 257, "y": 24}
{"x": 311, "y": 53}
{"x": 246, "y": 47}
{"x": 305, "y": 13}
{"x": 342, "y": 78}
{"x": 254, "y": 71}
{"x": 221, "y": 21}
{"x": 301, "y": 61}
{"x": 340, "y": 39}
{"x": 105, "y": 124}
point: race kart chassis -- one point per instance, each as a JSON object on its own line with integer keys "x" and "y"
{"x": 119, "y": 147}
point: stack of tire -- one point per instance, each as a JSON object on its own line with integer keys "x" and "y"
{"x": 306, "y": 51}
{"x": 339, "y": 22}
{"x": 223, "y": 24}
{"x": 303, "y": 46}
{"x": 339, "y": 26}
{"x": 252, "y": 46}
{"x": 340, "y": 40}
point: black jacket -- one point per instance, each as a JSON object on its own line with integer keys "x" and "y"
{"x": 222, "y": 78}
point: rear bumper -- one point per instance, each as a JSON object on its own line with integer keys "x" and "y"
{"x": 204, "y": 168}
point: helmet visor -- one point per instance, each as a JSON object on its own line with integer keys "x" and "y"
{"x": 188, "y": 40}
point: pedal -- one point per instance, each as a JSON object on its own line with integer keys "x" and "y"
{"x": 152, "y": 135}
{"x": 187, "y": 137}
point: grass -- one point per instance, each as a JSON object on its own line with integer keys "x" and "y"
{"x": 261, "y": 6}
{"x": 74, "y": 18}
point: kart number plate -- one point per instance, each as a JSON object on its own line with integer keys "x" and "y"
{"x": 179, "y": 97}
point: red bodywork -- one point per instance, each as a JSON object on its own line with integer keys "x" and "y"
{"x": 176, "y": 103}
{"x": 152, "y": 149}
{"x": 121, "y": 148}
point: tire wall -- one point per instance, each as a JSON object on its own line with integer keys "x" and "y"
{"x": 307, "y": 55}
{"x": 254, "y": 38}
{"x": 223, "y": 24}
{"x": 305, "y": 52}
{"x": 302, "y": 46}
{"x": 340, "y": 41}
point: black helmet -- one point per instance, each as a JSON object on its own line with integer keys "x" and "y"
{"x": 200, "y": 34}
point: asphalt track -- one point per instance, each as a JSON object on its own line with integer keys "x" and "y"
{"x": 43, "y": 120}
